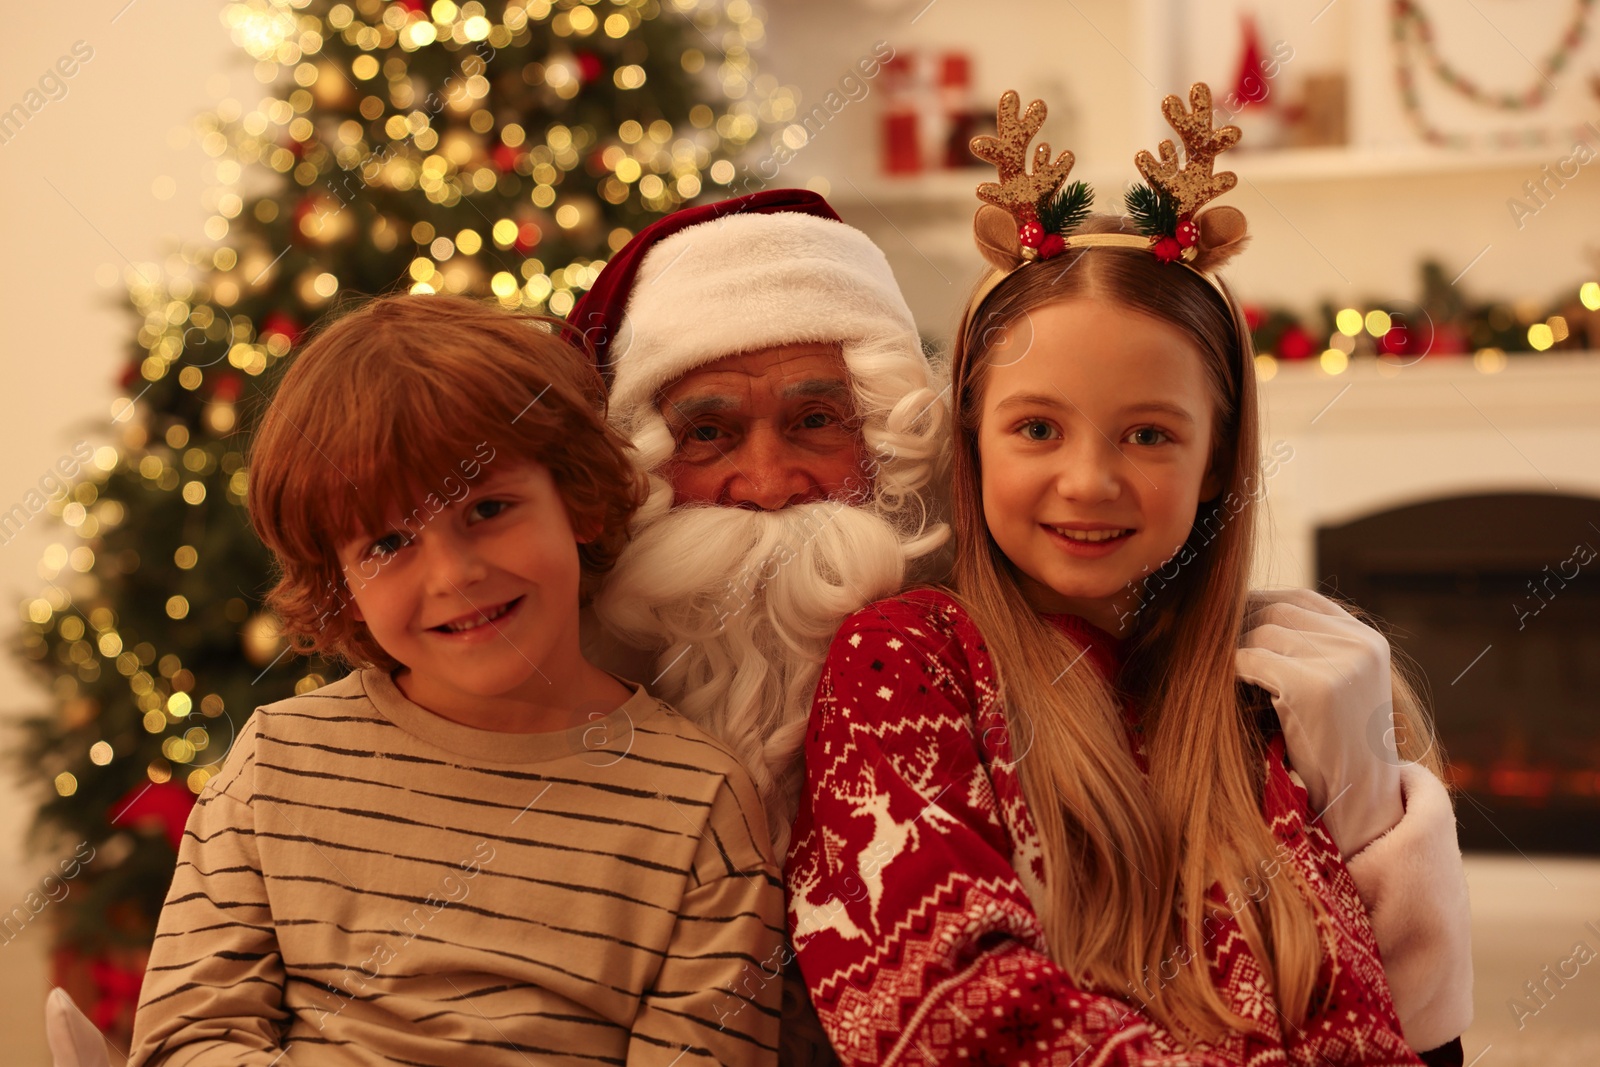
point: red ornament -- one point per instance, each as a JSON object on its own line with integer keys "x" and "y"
{"x": 1295, "y": 343}
{"x": 528, "y": 237}
{"x": 504, "y": 158}
{"x": 1052, "y": 245}
{"x": 1188, "y": 233}
{"x": 163, "y": 806}
{"x": 1030, "y": 234}
{"x": 118, "y": 987}
{"x": 1167, "y": 249}
{"x": 1253, "y": 317}
{"x": 306, "y": 205}
{"x": 278, "y": 322}
{"x": 228, "y": 389}
{"x": 589, "y": 66}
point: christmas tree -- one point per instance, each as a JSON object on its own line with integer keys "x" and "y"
{"x": 500, "y": 153}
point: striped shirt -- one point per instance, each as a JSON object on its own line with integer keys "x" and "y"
{"x": 365, "y": 882}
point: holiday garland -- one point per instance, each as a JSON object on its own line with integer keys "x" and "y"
{"x": 1412, "y": 30}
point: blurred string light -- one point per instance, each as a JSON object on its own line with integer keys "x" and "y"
{"x": 445, "y": 141}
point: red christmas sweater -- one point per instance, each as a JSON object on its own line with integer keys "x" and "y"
{"x": 915, "y": 875}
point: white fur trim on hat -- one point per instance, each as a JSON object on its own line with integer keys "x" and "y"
{"x": 747, "y": 282}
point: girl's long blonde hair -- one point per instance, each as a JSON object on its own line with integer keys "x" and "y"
{"x": 1129, "y": 858}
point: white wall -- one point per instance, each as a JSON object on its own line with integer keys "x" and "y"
{"x": 77, "y": 204}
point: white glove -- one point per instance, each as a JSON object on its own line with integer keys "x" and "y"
{"x": 74, "y": 1042}
{"x": 1328, "y": 674}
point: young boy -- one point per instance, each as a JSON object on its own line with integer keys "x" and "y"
{"x": 478, "y": 847}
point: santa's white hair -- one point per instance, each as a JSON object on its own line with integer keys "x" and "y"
{"x": 741, "y": 605}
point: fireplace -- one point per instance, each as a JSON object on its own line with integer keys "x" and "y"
{"x": 1495, "y": 598}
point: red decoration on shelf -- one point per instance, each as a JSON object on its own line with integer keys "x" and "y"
{"x": 1296, "y": 343}
{"x": 1253, "y": 317}
{"x": 1249, "y": 85}
{"x": 902, "y": 148}
{"x": 163, "y": 806}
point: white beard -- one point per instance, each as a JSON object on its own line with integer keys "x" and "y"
{"x": 741, "y": 606}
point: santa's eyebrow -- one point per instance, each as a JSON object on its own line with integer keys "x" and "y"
{"x": 826, "y": 388}
{"x": 693, "y": 407}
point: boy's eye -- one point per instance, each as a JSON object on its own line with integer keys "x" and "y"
{"x": 386, "y": 546}
{"x": 1037, "y": 430}
{"x": 488, "y": 509}
{"x": 1147, "y": 435}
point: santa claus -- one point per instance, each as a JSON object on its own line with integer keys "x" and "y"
{"x": 768, "y": 372}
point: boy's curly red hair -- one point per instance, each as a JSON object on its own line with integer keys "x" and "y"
{"x": 402, "y": 398}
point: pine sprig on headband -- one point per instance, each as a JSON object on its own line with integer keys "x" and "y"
{"x": 1152, "y": 211}
{"x": 1067, "y": 208}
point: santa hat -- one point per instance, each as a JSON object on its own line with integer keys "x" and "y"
{"x": 773, "y": 268}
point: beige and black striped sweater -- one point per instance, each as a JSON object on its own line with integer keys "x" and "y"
{"x": 368, "y": 883}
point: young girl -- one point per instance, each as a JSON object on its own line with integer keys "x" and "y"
{"x": 1043, "y": 822}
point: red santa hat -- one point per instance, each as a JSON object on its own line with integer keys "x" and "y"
{"x": 772, "y": 268}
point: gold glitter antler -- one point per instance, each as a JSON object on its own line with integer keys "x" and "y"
{"x": 1019, "y": 192}
{"x": 1193, "y": 184}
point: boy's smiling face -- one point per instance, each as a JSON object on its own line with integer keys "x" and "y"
{"x": 478, "y": 602}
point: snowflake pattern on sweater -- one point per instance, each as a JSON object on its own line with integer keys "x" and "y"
{"x": 915, "y": 877}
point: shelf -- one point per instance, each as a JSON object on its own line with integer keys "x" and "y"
{"x": 1541, "y": 389}
{"x": 1343, "y": 163}
{"x": 954, "y": 188}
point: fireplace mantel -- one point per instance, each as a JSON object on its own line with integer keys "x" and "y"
{"x": 1376, "y": 437}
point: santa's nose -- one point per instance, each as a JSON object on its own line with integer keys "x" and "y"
{"x": 772, "y": 474}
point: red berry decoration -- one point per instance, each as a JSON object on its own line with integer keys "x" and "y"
{"x": 1030, "y": 234}
{"x": 1167, "y": 249}
{"x": 1188, "y": 233}
{"x": 1052, "y": 245}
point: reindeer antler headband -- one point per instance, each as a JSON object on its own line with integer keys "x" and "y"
{"x": 1031, "y": 216}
